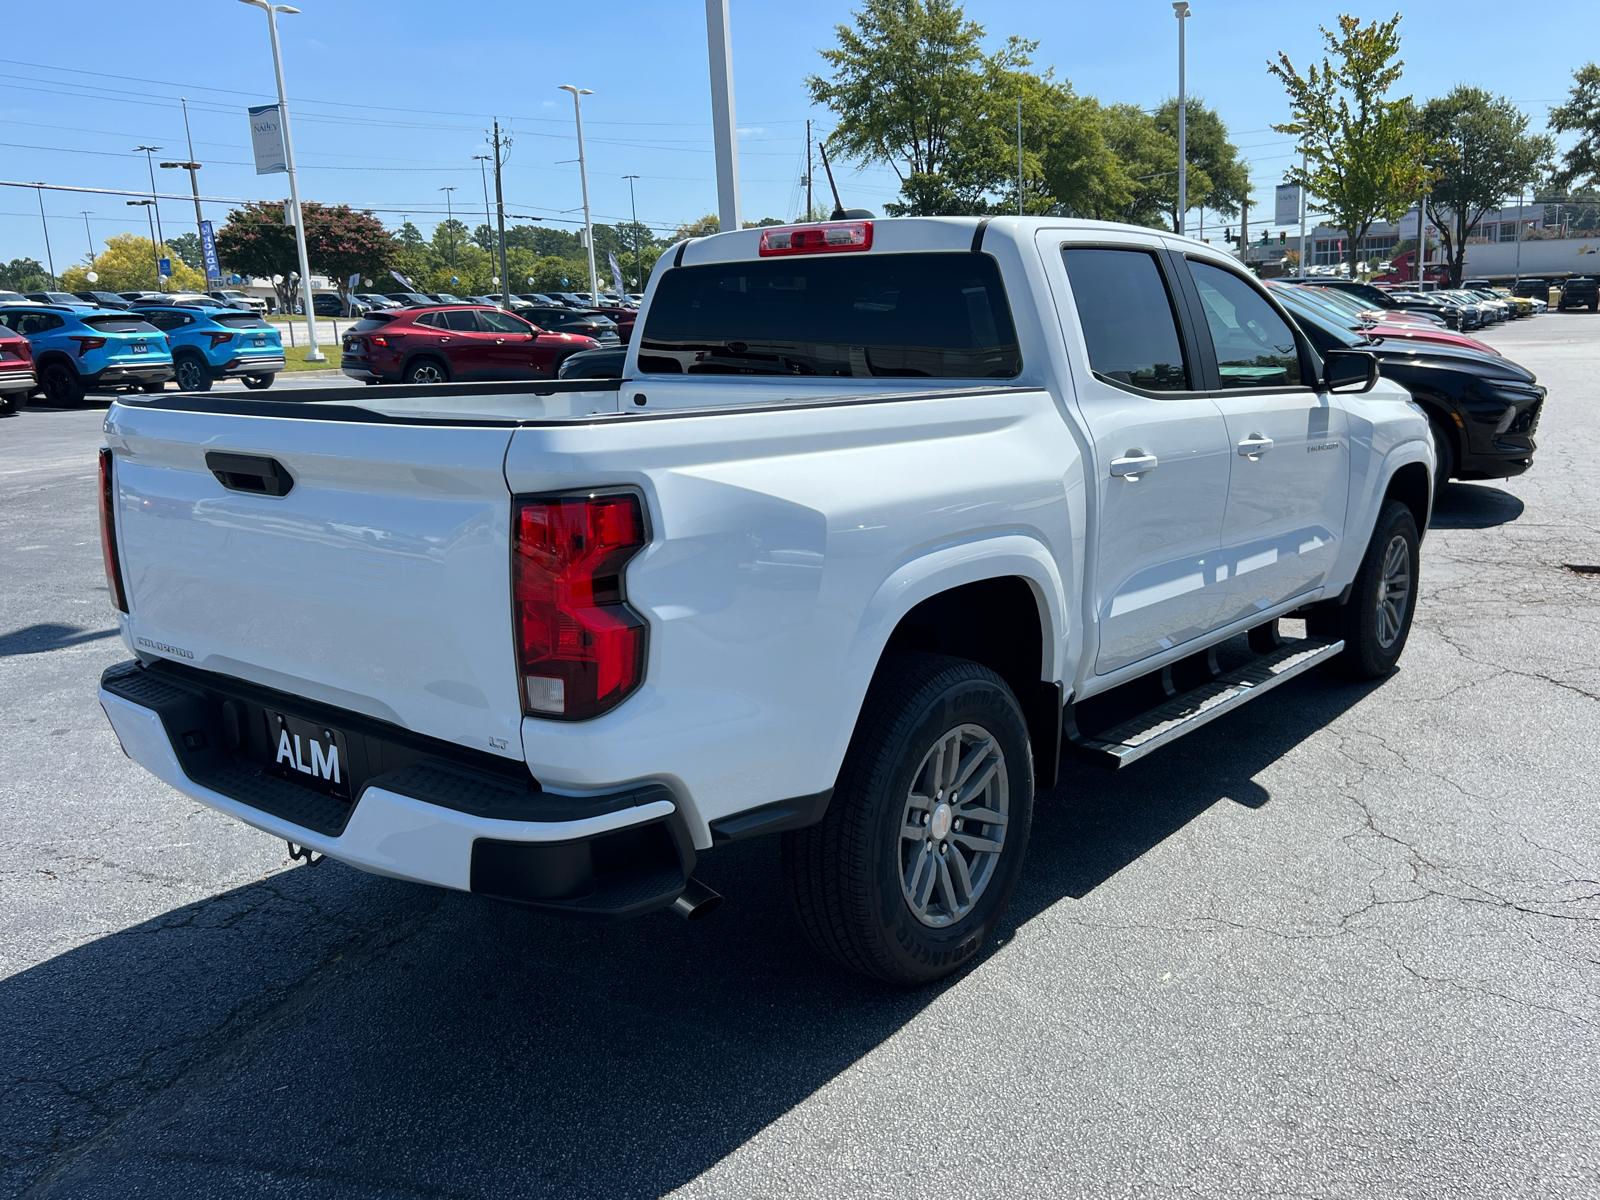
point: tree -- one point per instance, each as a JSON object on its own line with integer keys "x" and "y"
{"x": 24, "y": 275}
{"x": 1481, "y": 154}
{"x": 1364, "y": 151}
{"x": 187, "y": 247}
{"x": 704, "y": 227}
{"x": 339, "y": 242}
{"x": 128, "y": 263}
{"x": 904, "y": 79}
{"x": 1146, "y": 157}
{"x": 256, "y": 242}
{"x": 1217, "y": 179}
{"x": 1580, "y": 115}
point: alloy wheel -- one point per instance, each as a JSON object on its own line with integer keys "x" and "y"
{"x": 953, "y": 825}
{"x": 1394, "y": 591}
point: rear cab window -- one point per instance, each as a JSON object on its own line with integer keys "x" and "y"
{"x": 921, "y": 315}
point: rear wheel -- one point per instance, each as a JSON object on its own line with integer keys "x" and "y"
{"x": 1376, "y": 621}
{"x": 426, "y": 370}
{"x": 908, "y": 874}
{"x": 62, "y": 385}
{"x": 257, "y": 383}
{"x": 192, "y": 374}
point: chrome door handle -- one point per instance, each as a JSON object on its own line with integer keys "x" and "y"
{"x": 1254, "y": 446}
{"x": 1132, "y": 465}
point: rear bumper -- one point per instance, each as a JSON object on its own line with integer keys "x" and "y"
{"x": 122, "y": 375}
{"x": 17, "y": 381}
{"x": 431, "y": 821}
{"x": 263, "y": 365}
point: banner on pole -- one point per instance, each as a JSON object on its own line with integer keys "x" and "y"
{"x": 266, "y": 137}
{"x": 403, "y": 281}
{"x": 164, "y": 267}
{"x": 208, "y": 247}
{"x": 616, "y": 273}
{"x": 1286, "y": 206}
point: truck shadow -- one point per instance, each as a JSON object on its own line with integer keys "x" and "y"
{"x": 333, "y": 1031}
{"x": 49, "y": 635}
{"x": 1474, "y": 506}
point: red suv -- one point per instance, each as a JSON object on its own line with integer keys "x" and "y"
{"x": 16, "y": 371}
{"x": 440, "y": 344}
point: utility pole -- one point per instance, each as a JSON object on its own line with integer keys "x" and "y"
{"x": 194, "y": 182}
{"x": 88, "y": 235}
{"x": 155, "y": 250}
{"x": 483, "y": 177}
{"x": 1521, "y": 192}
{"x": 808, "y": 170}
{"x": 1244, "y": 232}
{"x": 149, "y": 162}
{"x": 723, "y": 128}
{"x": 500, "y": 208}
{"x": 638, "y": 250}
{"x": 1180, "y": 9}
{"x": 1305, "y": 209}
{"x": 450, "y": 224}
{"x": 49, "y": 258}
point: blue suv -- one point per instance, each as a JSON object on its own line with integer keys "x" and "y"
{"x": 76, "y": 352}
{"x": 216, "y": 343}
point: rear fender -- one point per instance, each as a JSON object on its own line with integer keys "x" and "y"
{"x": 942, "y": 568}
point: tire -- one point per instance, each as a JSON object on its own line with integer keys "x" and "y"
{"x": 192, "y": 373}
{"x": 62, "y": 385}
{"x": 1444, "y": 445}
{"x": 847, "y": 875}
{"x": 13, "y": 403}
{"x": 153, "y": 387}
{"x": 427, "y": 370}
{"x": 257, "y": 383}
{"x": 1376, "y": 621}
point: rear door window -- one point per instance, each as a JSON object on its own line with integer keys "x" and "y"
{"x": 932, "y": 316}
{"x": 1127, "y": 318}
{"x": 462, "y": 320}
{"x": 499, "y": 322}
{"x": 1255, "y": 346}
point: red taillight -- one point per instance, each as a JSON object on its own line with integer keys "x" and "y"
{"x": 833, "y": 238}
{"x": 108, "y": 532}
{"x": 580, "y": 648}
{"x": 218, "y": 338}
{"x": 86, "y": 344}
{"x": 23, "y": 349}
{"x": 376, "y": 340}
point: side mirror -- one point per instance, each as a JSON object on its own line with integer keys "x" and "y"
{"x": 1349, "y": 372}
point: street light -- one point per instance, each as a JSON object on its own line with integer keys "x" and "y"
{"x": 149, "y": 163}
{"x": 194, "y": 181}
{"x": 155, "y": 250}
{"x": 483, "y": 174}
{"x": 638, "y": 250}
{"x": 313, "y": 354}
{"x": 88, "y": 235}
{"x": 450, "y": 220}
{"x": 1180, "y": 9}
{"x": 583, "y": 174}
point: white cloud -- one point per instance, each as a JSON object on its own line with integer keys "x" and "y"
{"x": 549, "y": 103}
{"x": 751, "y": 131}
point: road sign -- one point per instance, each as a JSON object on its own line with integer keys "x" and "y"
{"x": 164, "y": 266}
{"x": 208, "y": 247}
{"x": 266, "y": 138}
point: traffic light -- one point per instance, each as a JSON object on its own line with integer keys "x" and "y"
{"x": 1264, "y": 237}
{"x": 1283, "y": 237}
{"x": 1228, "y": 235}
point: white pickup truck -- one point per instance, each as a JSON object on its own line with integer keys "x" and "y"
{"x": 879, "y": 512}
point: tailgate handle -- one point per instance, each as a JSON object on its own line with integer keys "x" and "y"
{"x": 250, "y": 473}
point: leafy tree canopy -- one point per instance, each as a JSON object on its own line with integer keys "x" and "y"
{"x": 128, "y": 263}
{"x": 1364, "y": 151}
{"x": 24, "y": 275}
{"x": 1581, "y": 115}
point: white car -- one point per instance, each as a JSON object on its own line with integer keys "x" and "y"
{"x": 878, "y": 512}
{"x": 242, "y": 300}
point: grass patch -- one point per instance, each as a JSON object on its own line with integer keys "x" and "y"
{"x": 295, "y": 359}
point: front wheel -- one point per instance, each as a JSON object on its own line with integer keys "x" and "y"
{"x": 192, "y": 375}
{"x": 908, "y": 874}
{"x": 257, "y": 383}
{"x": 1376, "y": 621}
{"x": 62, "y": 385}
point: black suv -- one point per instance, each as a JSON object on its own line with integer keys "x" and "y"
{"x": 1581, "y": 291}
{"x": 1534, "y": 289}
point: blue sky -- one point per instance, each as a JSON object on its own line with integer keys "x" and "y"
{"x": 391, "y": 101}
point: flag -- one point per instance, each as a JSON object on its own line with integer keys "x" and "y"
{"x": 616, "y": 273}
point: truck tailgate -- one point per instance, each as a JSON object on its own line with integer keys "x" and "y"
{"x": 382, "y": 572}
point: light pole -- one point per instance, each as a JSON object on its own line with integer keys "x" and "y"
{"x": 155, "y": 250}
{"x": 583, "y": 174}
{"x": 638, "y": 250}
{"x": 1180, "y": 9}
{"x": 724, "y": 128}
{"x": 313, "y": 354}
{"x": 483, "y": 174}
{"x": 194, "y": 180}
{"x": 88, "y": 235}
{"x": 49, "y": 257}
{"x": 450, "y": 223}
{"x": 150, "y": 163}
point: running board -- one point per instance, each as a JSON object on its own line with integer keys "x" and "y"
{"x": 1168, "y": 722}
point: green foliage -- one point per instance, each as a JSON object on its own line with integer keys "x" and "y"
{"x": 1217, "y": 179}
{"x": 1580, "y": 115}
{"x": 339, "y": 242}
{"x": 1481, "y": 153}
{"x": 704, "y": 227}
{"x": 25, "y": 275}
{"x": 129, "y": 262}
{"x": 1364, "y": 151}
{"x": 187, "y": 247}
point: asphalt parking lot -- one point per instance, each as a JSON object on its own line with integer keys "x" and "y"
{"x": 1340, "y": 944}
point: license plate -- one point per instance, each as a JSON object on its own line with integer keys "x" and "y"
{"x": 312, "y": 755}
{"x": 259, "y": 342}
{"x": 141, "y": 348}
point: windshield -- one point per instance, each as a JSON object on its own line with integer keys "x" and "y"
{"x": 1327, "y": 303}
{"x": 927, "y": 315}
{"x": 120, "y": 324}
{"x": 241, "y": 321}
{"x": 370, "y": 322}
{"x": 1298, "y": 303}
